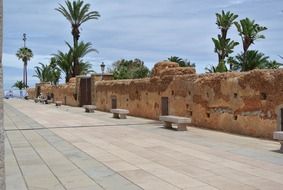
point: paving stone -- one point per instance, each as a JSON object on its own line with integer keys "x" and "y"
{"x": 136, "y": 153}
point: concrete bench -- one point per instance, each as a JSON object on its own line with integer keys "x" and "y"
{"x": 89, "y": 108}
{"x": 181, "y": 122}
{"x": 49, "y": 101}
{"x": 119, "y": 113}
{"x": 278, "y": 135}
{"x": 41, "y": 100}
{"x": 58, "y": 103}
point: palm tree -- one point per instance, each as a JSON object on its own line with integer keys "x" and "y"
{"x": 85, "y": 68}
{"x": 181, "y": 62}
{"x": 64, "y": 62}
{"x": 79, "y": 52}
{"x": 175, "y": 59}
{"x": 220, "y": 68}
{"x": 210, "y": 69}
{"x": 249, "y": 32}
{"x": 24, "y": 54}
{"x": 224, "y": 46}
{"x": 253, "y": 60}
{"x": 224, "y": 21}
{"x": 55, "y": 71}
{"x": 48, "y": 73}
{"x": 272, "y": 64}
{"x": 20, "y": 85}
{"x": 40, "y": 72}
{"x": 77, "y": 13}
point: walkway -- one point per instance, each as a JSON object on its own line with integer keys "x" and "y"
{"x": 65, "y": 148}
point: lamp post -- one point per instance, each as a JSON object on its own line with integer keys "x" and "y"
{"x": 24, "y": 39}
{"x": 25, "y": 80}
{"x": 102, "y": 69}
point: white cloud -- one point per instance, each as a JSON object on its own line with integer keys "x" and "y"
{"x": 150, "y": 30}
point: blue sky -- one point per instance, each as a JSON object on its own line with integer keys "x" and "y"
{"x": 150, "y": 30}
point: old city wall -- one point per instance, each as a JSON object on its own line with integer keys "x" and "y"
{"x": 247, "y": 103}
{"x": 243, "y": 103}
{"x": 143, "y": 96}
{"x": 67, "y": 93}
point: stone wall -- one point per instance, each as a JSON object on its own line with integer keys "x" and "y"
{"x": 242, "y": 103}
{"x": 67, "y": 93}
{"x": 246, "y": 103}
{"x": 142, "y": 96}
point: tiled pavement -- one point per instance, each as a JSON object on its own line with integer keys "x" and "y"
{"x": 65, "y": 148}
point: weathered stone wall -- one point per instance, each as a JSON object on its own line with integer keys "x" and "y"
{"x": 31, "y": 93}
{"x": 242, "y": 103}
{"x": 67, "y": 93}
{"x": 143, "y": 96}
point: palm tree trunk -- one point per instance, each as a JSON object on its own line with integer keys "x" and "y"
{"x": 26, "y": 74}
{"x": 2, "y": 166}
{"x": 76, "y": 35}
{"x": 245, "y": 48}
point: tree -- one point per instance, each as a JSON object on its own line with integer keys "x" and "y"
{"x": 48, "y": 73}
{"x": 129, "y": 69}
{"x": 77, "y": 13}
{"x": 224, "y": 21}
{"x": 249, "y": 32}
{"x": 220, "y": 68}
{"x": 55, "y": 71}
{"x": 65, "y": 60}
{"x": 252, "y": 60}
{"x": 20, "y": 85}
{"x": 224, "y": 46}
{"x": 272, "y": 64}
{"x": 24, "y": 54}
{"x": 85, "y": 68}
{"x": 78, "y": 53}
{"x": 181, "y": 62}
{"x": 40, "y": 72}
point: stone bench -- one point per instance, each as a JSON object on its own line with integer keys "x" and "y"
{"x": 181, "y": 122}
{"x": 41, "y": 100}
{"x": 49, "y": 101}
{"x": 119, "y": 113}
{"x": 58, "y": 103}
{"x": 278, "y": 135}
{"x": 89, "y": 108}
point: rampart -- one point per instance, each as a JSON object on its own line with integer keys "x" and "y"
{"x": 247, "y": 103}
{"x": 67, "y": 93}
{"x": 243, "y": 103}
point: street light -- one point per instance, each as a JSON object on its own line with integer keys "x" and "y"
{"x": 24, "y": 39}
{"x": 102, "y": 69}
